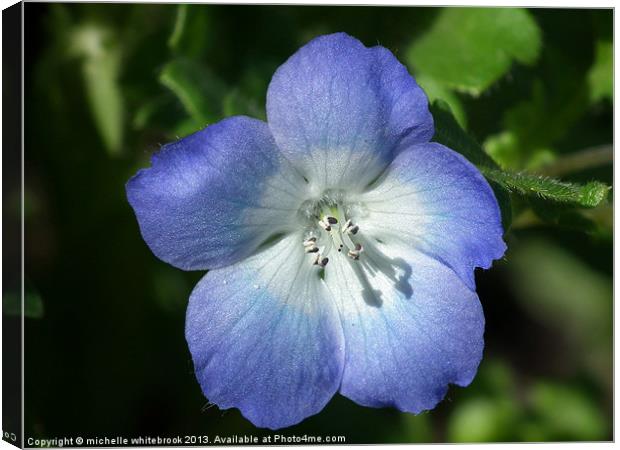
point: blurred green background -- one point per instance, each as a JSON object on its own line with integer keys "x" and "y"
{"x": 107, "y": 84}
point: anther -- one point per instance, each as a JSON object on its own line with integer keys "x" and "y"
{"x": 339, "y": 231}
{"x": 355, "y": 254}
{"x": 310, "y": 242}
{"x": 349, "y": 228}
{"x": 353, "y": 230}
{"x": 320, "y": 261}
{"x": 326, "y": 226}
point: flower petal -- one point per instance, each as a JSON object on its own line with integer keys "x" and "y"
{"x": 265, "y": 338}
{"x": 337, "y": 109}
{"x": 411, "y": 327}
{"x": 434, "y": 200}
{"x": 211, "y": 198}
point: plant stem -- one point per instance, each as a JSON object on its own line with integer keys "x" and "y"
{"x": 584, "y": 159}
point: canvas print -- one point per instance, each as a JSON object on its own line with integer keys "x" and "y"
{"x": 297, "y": 224}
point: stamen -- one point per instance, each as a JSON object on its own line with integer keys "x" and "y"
{"x": 350, "y": 228}
{"x": 331, "y": 215}
{"x": 320, "y": 261}
{"x": 355, "y": 254}
{"x": 310, "y": 241}
{"x": 347, "y": 241}
{"x": 353, "y": 230}
{"x": 325, "y": 225}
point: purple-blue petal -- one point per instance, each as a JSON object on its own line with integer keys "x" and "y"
{"x": 211, "y": 198}
{"x": 265, "y": 337}
{"x": 338, "y": 109}
{"x": 411, "y": 326}
{"x": 435, "y": 201}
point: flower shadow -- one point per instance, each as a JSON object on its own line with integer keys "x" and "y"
{"x": 374, "y": 264}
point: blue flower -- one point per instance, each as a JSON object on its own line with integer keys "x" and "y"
{"x": 341, "y": 243}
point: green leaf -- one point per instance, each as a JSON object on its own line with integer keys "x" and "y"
{"x": 449, "y": 133}
{"x": 509, "y": 151}
{"x": 438, "y": 91}
{"x": 152, "y": 107}
{"x": 559, "y": 288}
{"x": 567, "y": 412}
{"x": 482, "y": 420}
{"x": 535, "y": 125}
{"x": 416, "y": 428}
{"x": 197, "y": 88}
{"x": 101, "y": 62}
{"x": 189, "y": 35}
{"x": 184, "y": 127}
{"x": 601, "y": 75}
{"x": 497, "y": 377}
{"x": 586, "y": 195}
{"x": 470, "y": 48}
{"x": 236, "y": 103}
{"x": 567, "y": 295}
{"x": 179, "y": 26}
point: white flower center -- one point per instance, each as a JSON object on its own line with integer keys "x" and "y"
{"x": 329, "y": 227}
